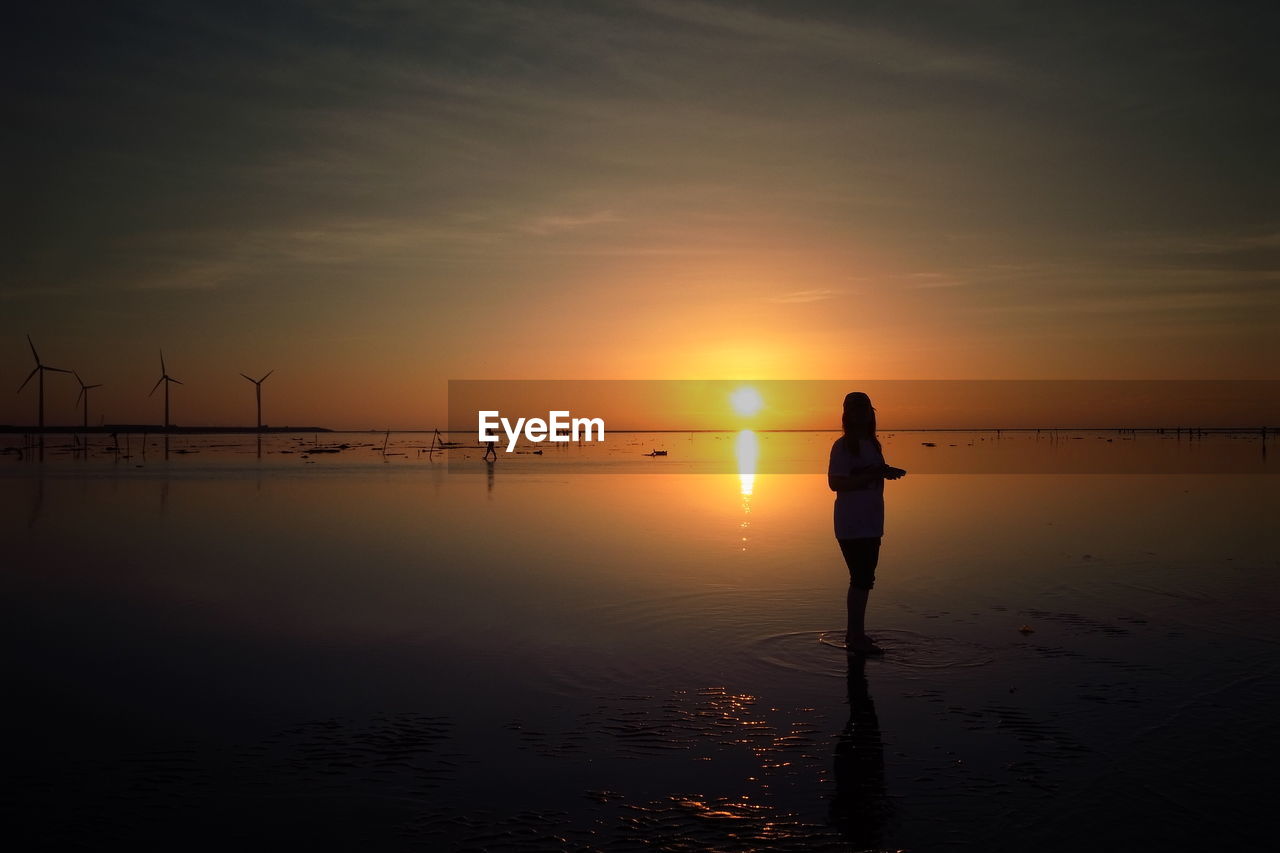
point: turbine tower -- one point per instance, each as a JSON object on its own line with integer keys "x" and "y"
{"x": 257, "y": 387}
{"x": 39, "y": 368}
{"x": 166, "y": 379}
{"x": 84, "y": 392}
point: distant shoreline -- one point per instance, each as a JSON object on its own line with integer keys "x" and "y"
{"x": 108, "y": 429}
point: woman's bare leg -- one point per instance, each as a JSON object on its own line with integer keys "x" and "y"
{"x": 857, "y": 628}
{"x": 856, "y": 639}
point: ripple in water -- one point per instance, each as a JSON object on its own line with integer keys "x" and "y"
{"x": 822, "y": 652}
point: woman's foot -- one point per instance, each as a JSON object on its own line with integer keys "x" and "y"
{"x": 862, "y": 645}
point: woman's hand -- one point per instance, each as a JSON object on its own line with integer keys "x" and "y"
{"x": 863, "y": 479}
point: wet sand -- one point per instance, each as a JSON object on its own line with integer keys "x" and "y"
{"x": 410, "y": 659}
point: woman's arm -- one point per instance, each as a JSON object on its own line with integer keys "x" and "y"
{"x": 856, "y": 481}
{"x": 862, "y": 479}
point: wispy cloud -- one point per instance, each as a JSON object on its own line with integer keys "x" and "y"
{"x": 39, "y": 292}
{"x": 557, "y": 223}
{"x": 192, "y": 275}
{"x": 801, "y": 296}
{"x": 1132, "y": 306}
{"x": 874, "y": 46}
{"x": 932, "y": 280}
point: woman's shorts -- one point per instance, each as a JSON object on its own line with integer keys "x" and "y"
{"x": 861, "y": 556}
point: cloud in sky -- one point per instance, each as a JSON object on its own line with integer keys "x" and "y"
{"x": 556, "y": 223}
{"x": 801, "y": 296}
{"x": 320, "y": 161}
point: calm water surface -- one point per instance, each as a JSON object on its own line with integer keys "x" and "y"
{"x": 419, "y": 654}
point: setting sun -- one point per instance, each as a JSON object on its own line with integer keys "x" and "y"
{"x": 746, "y": 401}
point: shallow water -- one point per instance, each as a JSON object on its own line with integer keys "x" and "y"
{"x": 405, "y": 654}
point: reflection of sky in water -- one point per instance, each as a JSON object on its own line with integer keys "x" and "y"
{"x": 537, "y": 620}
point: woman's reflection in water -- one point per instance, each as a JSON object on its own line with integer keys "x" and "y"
{"x": 859, "y": 808}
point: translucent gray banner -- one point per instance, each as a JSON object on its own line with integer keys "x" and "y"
{"x": 749, "y": 427}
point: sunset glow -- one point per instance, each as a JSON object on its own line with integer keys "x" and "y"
{"x": 746, "y": 401}
{"x": 874, "y": 196}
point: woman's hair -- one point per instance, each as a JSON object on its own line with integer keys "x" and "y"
{"x": 858, "y": 421}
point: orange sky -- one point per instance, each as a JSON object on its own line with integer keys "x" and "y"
{"x": 372, "y": 204}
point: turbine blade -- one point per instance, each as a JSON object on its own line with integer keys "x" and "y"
{"x": 163, "y": 370}
{"x": 78, "y": 379}
{"x": 157, "y": 385}
{"x": 34, "y": 354}
{"x": 264, "y": 379}
{"x": 250, "y": 378}
{"x": 99, "y": 385}
{"x": 57, "y": 370}
{"x": 171, "y": 379}
{"x": 81, "y": 394}
{"x": 33, "y": 372}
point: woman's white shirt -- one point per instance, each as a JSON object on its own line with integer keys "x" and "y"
{"x": 859, "y": 513}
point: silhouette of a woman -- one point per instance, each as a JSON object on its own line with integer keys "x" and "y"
{"x": 856, "y": 474}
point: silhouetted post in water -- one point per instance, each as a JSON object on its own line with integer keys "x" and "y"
{"x": 440, "y": 442}
{"x": 257, "y": 389}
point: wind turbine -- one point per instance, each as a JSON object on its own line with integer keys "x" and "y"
{"x": 84, "y": 392}
{"x": 166, "y": 379}
{"x": 39, "y": 368}
{"x": 257, "y": 387}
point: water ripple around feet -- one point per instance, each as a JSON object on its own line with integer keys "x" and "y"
{"x": 822, "y": 652}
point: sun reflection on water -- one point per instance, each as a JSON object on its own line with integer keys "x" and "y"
{"x": 747, "y": 450}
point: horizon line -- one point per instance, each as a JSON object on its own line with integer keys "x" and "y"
{"x": 212, "y": 428}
